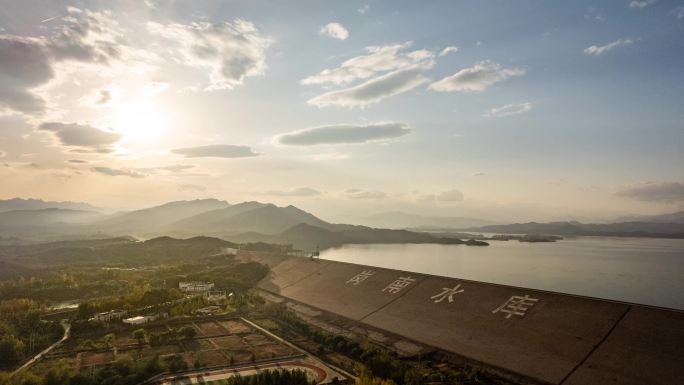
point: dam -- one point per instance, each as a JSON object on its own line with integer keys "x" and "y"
{"x": 549, "y": 337}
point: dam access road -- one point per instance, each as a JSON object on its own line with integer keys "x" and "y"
{"x": 549, "y": 337}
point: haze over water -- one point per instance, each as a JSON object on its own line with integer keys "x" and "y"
{"x": 639, "y": 270}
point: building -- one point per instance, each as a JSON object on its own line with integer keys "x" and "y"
{"x": 138, "y": 320}
{"x": 195, "y": 287}
{"x": 109, "y": 315}
{"x": 209, "y": 310}
{"x": 216, "y": 295}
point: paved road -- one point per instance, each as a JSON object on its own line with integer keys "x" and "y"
{"x": 67, "y": 333}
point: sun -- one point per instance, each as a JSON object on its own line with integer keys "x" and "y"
{"x": 140, "y": 121}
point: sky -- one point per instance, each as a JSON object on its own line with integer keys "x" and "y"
{"x": 501, "y": 110}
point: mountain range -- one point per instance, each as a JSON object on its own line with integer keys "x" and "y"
{"x": 265, "y": 222}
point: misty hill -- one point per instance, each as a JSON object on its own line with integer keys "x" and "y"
{"x": 153, "y": 219}
{"x": 677, "y": 217}
{"x": 402, "y": 220}
{"x": 114, "y": 251}
{"x": 38, "y": 204}
{"x": 308, "y": 237}
{"x": 18, "y": 221}
{"x": 622, "y": 229}
{"x": 247, "y": 217}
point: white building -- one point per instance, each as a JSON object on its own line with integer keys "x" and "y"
{"x": 195, "y": 287}
{"x": 138, "y": 320}
{"x": 109, "y": 315}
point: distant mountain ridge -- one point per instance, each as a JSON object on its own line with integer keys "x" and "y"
{"x": 402, "y": 220}
{"x": 621, "y": 229}
{"x": 677, "y": 217}
{"x": 38, "y": 204}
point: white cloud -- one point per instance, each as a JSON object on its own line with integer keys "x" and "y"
{"x": 509, "y": 109}
{"x": 452, "y": 195}
{"x": 85, "y": 37}
{"x": 476, "y": 78}
{"x": 335, "y": 31}
{"x": 365, "y": 194}
{"x": 297, "y": 192}
{"x": 344, "y": 134}
{"x": 448, "y": 50}
{"x": 216, "y": 151}
{"x": 117, "y": 172}
{"x": 82, "y": 136}
{"x": 641, "y": 3}
{"x": 232, "y": 50}
{"x": 363, "y": 9}
{"x": 599, "y": 50}
{"x": 668, "y": 192}
{"x": 372, "y": 91}
{"x": 379, "y": 59}
{"x": 678, "y": 12}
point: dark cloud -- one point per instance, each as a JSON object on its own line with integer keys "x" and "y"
{"x": 216, "y": 151}
{"x": 77, "y": 161}
{"x": 83, "y": 136}
{"x": 25, "y": 64}
{"x": 297, "y": 192}
{"x": 344, "y": 133}
{"x": 668, "y": 192}
{"x": 117, "y": 172}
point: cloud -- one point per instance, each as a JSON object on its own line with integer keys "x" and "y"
{"x": 678, "y": 12}
{"x": 372, "y": 91}
{"x": 77, "y": 161}
{"x": 448, "y": 50}
{"x": 28, "y": 62}
{"x": 668, "y": 192}
{"x": 117, "y": 172}
{"x": 175, "y": 168}
{"x": 191, "y": 187}
{"x": 2, "y": 154}
{"x": 452, "y": 195}
{"x": 365, "y": 194}
{"x": 335, "y": 31}
{"x": 297, "y": 192}
{"x": 216, "y": 151}
{"x": 379, "y": 59}
{"x": 83, "y": 136}
{"x": 599, "y": 50}
{"x": 344, "y": 134}
{"x": 509, "y": 109}
{"x": 478, "y": 174}
{"x": 476, "y": 78}
{"x": 641, "y": 3}
{"x": 363, "y": 9}
{"x": 232, "y": 50}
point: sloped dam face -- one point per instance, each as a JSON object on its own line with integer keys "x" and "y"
{"x": 551, "y": 337}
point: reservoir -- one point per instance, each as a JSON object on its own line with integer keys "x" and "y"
{"x": 646, "y": 271}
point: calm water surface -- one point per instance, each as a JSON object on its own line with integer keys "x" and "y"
{"x": 640, "y": 270}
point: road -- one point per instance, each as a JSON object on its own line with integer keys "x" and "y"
{"x": 67, "y": 332}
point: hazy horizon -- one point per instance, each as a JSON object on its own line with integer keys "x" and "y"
{"x": 509, "y": 112}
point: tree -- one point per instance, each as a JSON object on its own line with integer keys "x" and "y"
{"x": 139, "y": 335}
{"x": 188, "y": 332}
{"x": 109, "y": 340}
{"x": 12, "y": 350}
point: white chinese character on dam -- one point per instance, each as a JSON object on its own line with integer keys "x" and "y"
{"x": 447, "y": 293}
{"x": 399, "y": 284}
{"x": 362, "y": 276}
{"x": 516, "y": 305}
